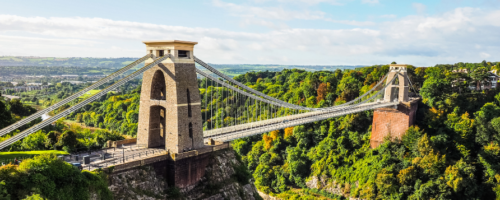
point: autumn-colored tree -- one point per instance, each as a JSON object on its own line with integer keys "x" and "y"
{"x": 274, "y": 134}
{"x": 407, "y": 176}
{"x": 267, "y": 141}
{"x": 288, "y": 132}
{"x": 322, "y": 92}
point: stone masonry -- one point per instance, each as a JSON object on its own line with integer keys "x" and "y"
{"x": 394, "y": 122}
{"x": 170, "y": 112}
{"x": 399, "y": 90}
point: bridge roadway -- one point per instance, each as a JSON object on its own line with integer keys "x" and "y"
{"x": 121, "y": 154}
{"x": 254, "y": 128}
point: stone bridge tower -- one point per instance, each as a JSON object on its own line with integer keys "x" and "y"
{"x": 170, "y": 112}
{"x": 393, "y": 122}
{"x": 398, "y": 90}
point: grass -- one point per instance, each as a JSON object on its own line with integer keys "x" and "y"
{"x": 18, "y": 154}
{"x": 89, "y": 94}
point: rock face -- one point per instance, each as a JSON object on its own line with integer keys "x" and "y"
{"x": 145, "y": 183}
{"x": 150, "y": 182}
{"x": 322, "y": 183}
{"x": 267, "y": 197}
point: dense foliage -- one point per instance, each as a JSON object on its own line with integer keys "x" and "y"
{"x": 48, "y": 177}
{"x": 452, "y": 152}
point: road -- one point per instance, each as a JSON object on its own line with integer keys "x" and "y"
{"x": 10, "y": 96}
{"x": 127, "y": 153}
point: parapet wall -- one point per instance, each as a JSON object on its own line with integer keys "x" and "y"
{"x": 392, "y": 122}
{"x": 181, "y": 169}
{"x": 120, "y": 142}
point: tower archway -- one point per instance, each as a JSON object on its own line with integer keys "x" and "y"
{"x": 157, "y": 126}
{"x": 158, "y": 88}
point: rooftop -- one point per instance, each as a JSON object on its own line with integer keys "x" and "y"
{"x": 168, "y": 42}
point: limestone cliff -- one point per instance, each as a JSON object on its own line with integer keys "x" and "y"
{"x": 220, "y": 182}
{"x": 322, "y": 183}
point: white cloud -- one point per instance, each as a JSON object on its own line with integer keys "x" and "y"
{"x": 420, "y": 8}
{"x": 269, "y": 12}
{"x": 421, "y": 40}
{"x": 261, "y": 22}
{"x": 388, "y": 16}
{"x": 484, "y": 55}
{"x": 261, "y": 15}
{"x": 370, "y": 1}
{"x": 307, "y": 2}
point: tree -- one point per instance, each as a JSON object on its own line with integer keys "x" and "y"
{"x": 322, "y": 92}
{"x": 485, "y": 130}
{"x": 461, "y": 178}
{"x": 52, "y": 138}
{"x": 298, "y": 165}
{"x": 4, "y": 195}
{"x": 481, "y": 77}
{"x": 434, "y": 87}
{"x": 5, "y": 116}
{"x": 34, "y": 197}
{"x": 68, "y": 139}
{"x": 18, "y": 108}
{"x": 35, "y": 141}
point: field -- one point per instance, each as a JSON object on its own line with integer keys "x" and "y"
{"x": 89, "y": 94}
{"x": 21, "y": 154}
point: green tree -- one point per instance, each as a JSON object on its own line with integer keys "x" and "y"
{"x": 485, "y": 130}
{"x": 68, "y": 139}
{"x": 481, "y": 77}
{"x": 35, "y": 141}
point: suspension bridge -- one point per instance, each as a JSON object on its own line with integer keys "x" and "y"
{"x": 174, "y": 116}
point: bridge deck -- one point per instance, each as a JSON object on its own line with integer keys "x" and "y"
{"x": 114, "y": 156}
{"x": 249, "y": 129}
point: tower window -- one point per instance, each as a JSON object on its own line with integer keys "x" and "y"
{"x": 183, "y": 54}
{"x": 190, "y": 130}
{"x": 189, "y": 103}
{"x": 161, "y": 53}
{"x": 191, "y": 135}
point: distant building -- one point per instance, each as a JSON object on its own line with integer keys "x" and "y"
{"x": 26, "y": 88}
{"x": 493, "y": 82}
{"x": 73, "y": 82}
{"x": 69, "y": 76}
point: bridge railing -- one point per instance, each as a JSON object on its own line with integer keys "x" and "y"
{"x": 102, "y": 153}
{"x": 125, "y": 159}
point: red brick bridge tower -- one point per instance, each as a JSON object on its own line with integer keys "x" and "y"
{"x": 170, "y": 112}
{"x": 393, "y": 122}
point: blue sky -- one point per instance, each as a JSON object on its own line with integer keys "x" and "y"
{"x": 328, "y": 32}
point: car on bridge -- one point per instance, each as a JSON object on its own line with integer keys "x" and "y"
{"x": 77, "y": 165}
